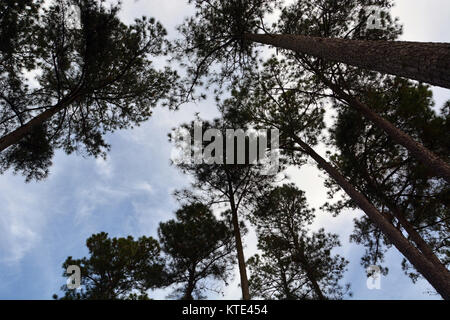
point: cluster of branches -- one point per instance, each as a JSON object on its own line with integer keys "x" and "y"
{"x": 295, "y": 263}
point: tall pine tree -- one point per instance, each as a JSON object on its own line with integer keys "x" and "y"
{"x": 278, "y": 103}
{"x": 402, "y": 188}
{"x": 221, "y": 178}
{"x": 295, "y": 262}
{"x": 227, "y": 32}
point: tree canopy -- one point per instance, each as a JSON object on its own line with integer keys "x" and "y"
{"x": 198, "y": 248}
{"x": 396, "y": 182}
{"x": 312, "y": 73}
{"x": 296, "y": 263}
{"x": 75, "y": 79}
{"x": 117, "y": 268}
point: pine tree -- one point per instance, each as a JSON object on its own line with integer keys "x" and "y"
{"x": 225, "y": 181}
{"x": 117, "y": 268}
{"x": 296, "y": 263}
{"x": 402, "y": 188}
{"x": 198, "y": 248}
{"x": 274, "y": 103}
{"x": 93, "y": 76}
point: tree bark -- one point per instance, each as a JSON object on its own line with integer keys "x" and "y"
{"x": 190, "y": 286}
{"x": 439, "y": 279}
{"x": 428, "y": 62}
{"x": 16, "y": 135}
{"x": 423, "y": 61}
{"x": 421, "y": 244}
{"x": 239, "y": 247}
{"x": 435, "y": 164}
{"x": 393, "y": 57}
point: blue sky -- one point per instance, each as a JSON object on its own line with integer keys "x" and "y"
{"x": 130, "y": 193}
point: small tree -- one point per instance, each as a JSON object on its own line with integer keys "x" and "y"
{"x": 117, "y": 268}
{"x": 296, "y": 263}
{"x": 198, "y": 247}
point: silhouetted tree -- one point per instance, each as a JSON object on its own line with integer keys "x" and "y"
{"x": 117, "y": 268}
{"x": 226, "y": 181}
{"x": 225, "y": 32}
{"x": 295, "y": 262}
{"x": 91, "y": 74}
{"x": 198, "y": 248}
{"x": 274, "y": 103}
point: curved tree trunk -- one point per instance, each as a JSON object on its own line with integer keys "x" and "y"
{"x": 438, "y": 278}
{"x": 423, "y": 61}
{"x": 427, "y": 62}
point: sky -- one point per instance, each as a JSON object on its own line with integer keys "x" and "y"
{"x": 129, "y": 193}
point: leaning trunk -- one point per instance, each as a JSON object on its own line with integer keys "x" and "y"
{"x": 423, "y": 61}
{"x": 240, "y": 256}
{"x": 421, "y": 244}
{"x": 432, "y": 161}
{"x": 239, "y": 247}
{"x": 382, "y": 56}
{"x": 16, "y": 135}
{"x": 438, "y": 278}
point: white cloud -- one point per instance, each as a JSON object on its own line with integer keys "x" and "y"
{"x": 104, "y": 167}
{"x": 146, "y": 187}
{"x": 22, "y": 219}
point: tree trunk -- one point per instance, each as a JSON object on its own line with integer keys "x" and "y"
{"x": 239, "y": 248}
{"x": 287, "y": 292}
{"x": 240, "y": 255}
{"x": 190, "y": 286}
{"x": 421, "y": 244}
{"x": 304, "y": 263}
{"x": 423, "y": 61}
{"x": 16, "y": 135}
{"x": 391, "y": 57}
{"x": 439, "y": 279}
{"x": 435, "y": 164}
{"x": 309, "y": 272}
